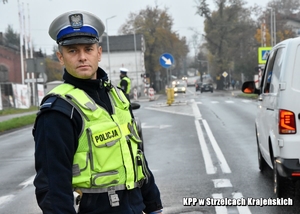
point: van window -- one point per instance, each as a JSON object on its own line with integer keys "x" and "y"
{"x": 296, "y": 72}
{"x": 274, "y": 86}
{"x": 272, "y": 72}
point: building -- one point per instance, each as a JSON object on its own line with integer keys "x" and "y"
{"x": 124, "y": 51}
{"x": 294, "y": 23}
{"x": 10, "y": 63}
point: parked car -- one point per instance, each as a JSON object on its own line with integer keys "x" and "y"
{"x": 179, "y": 87}
{"x": 278, "y": 116}
{"x": 207, "y": 86}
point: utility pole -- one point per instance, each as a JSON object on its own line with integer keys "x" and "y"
{"x": 273, "y": 27}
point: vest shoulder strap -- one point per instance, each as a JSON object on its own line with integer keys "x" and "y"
{"x": 56, "y": 103}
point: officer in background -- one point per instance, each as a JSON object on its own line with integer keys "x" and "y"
{"x": 84, "y": 142}
{"x": 125, "y": 82}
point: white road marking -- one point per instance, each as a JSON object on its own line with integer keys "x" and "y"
{"x": 169, "y": 111}
{"x": 241, "y": 209}
{"x": 196, "y": 111}
{"x": 220, "y": 183}
{"x": 27, "y": 182}
{"x": 220, "y": 209}
{"x": 6, "y": 198}
{"x": 229, "y": 101}
{"x": 214, "y": 102}
{"x": 210, "y": 169}
{"x": 144, "y": 126}
{"x": 246, "y": 101}
{"x": 222, "y": 161}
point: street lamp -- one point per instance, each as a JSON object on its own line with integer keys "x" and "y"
{"x": 107, "y": 41}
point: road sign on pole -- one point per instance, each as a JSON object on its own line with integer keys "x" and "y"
{"x": 263, "y": 53}
{"x": 166, "y": 60}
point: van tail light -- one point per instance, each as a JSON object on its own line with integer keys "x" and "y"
{"x": 287, "y": 123}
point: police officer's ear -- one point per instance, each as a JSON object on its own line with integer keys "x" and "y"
{"x": 60, "y": 57}
{"x": 99, "y": 53}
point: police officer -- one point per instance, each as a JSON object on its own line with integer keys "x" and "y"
{"x": 86, "y": 141}
{"x": 125, "y": 82}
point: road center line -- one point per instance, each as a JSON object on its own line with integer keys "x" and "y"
{"x": 223, "y": 163}
{"x": 210, "y": 169}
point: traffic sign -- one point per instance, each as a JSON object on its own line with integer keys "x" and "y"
{"x": 34, "y": 80}
{"x": 224, "y": 74}
{"x": 166, "y": 60}
{"x": 263, "y": 53}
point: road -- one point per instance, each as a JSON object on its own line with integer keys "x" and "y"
{"x": 201, "y": 147}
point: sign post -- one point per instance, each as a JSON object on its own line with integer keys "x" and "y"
{"x": 166, "y": 60}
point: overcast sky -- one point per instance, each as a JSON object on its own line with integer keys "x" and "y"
{"x": 42, "y": 12}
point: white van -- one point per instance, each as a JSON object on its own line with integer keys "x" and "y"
{"x": 277, "y": 121}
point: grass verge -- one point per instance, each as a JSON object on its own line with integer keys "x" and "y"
{"x": 17, "y": 122}
{"x": 16, "y": 111}
{"x": 248, "y": 96}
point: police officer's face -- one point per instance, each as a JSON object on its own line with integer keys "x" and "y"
{"x": 81, "y": 61}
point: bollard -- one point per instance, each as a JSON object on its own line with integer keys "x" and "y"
{"x": 170, "y": 95}
{"x": 135, "y": 95}
{"x": 151, "y": 94}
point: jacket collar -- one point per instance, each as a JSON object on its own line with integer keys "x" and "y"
{"x": 86, "y": 84}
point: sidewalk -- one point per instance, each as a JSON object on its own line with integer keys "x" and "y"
{"x": 11, "y": 116}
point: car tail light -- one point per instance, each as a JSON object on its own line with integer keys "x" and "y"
{"x": 287, "y": 124}
{"x": 295, "y": 174}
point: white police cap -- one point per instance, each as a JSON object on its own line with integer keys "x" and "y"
{"x": 123, "y": 70}
{"x": 76, "y": 27}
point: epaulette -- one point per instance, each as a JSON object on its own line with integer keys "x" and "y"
{"x": 49, "y": 102}
{"x": 57, "y": 104}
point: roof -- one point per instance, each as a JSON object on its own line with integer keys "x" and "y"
{"x": 122, "y": 43}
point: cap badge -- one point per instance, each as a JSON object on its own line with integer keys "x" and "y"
{"x": 76, "y": 20}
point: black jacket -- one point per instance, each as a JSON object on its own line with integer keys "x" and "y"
{"x": 56, "y": 133}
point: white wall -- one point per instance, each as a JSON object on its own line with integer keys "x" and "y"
{"x": 127, "y": 60}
